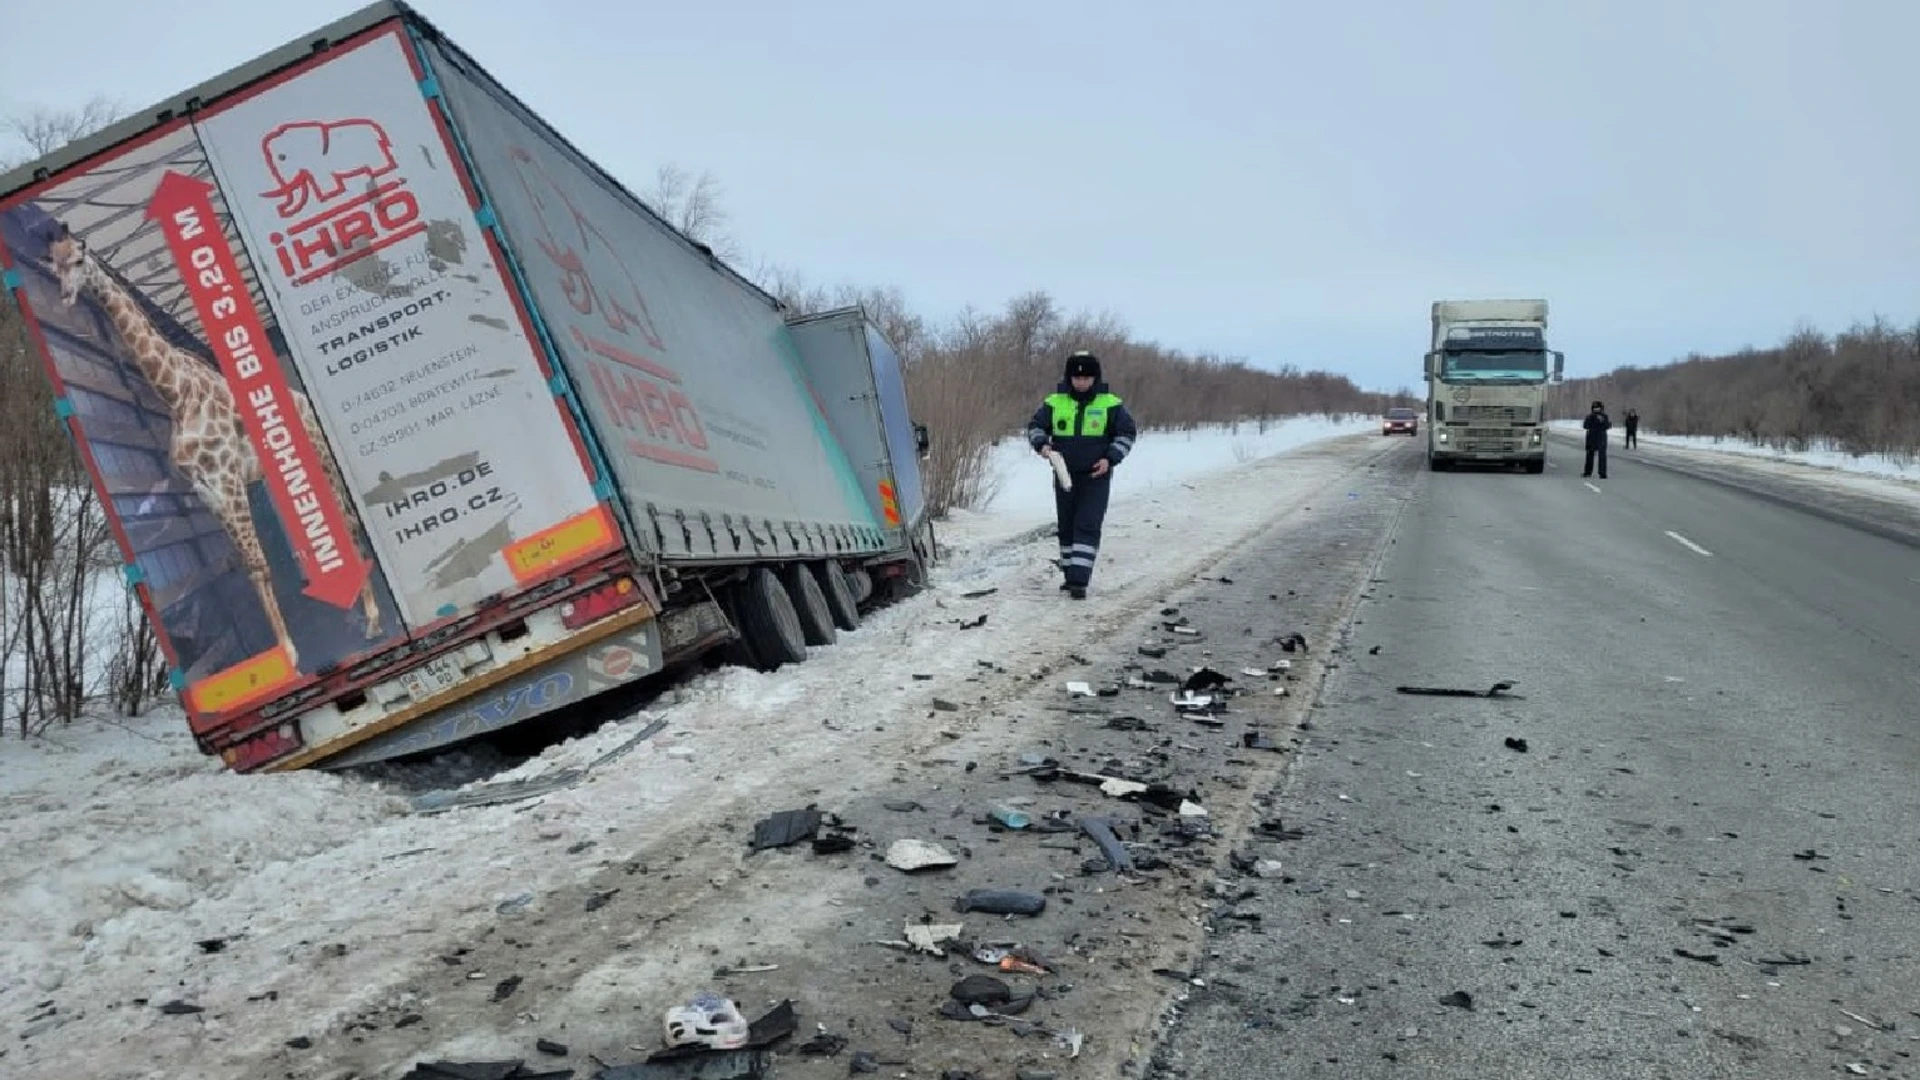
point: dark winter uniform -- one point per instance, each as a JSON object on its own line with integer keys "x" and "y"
{"x": 1633, "y": 427}
{"x": 1597, "y": 424}
{"x": 1084, "y": 428}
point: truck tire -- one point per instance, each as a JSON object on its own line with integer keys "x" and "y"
{"x": 1437, "y": 464}
{"x": 739, "y": 651}
{"x": 769, "y": 623}
{"x": 1537, "y": 467}
{"x": 809, "y": 603}
{"x": 862, "y": 581}
{"x": 839, "y": 592}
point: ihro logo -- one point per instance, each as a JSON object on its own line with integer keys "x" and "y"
{"x": 312, "y": 163}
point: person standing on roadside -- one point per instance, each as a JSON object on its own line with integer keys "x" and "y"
{"x": 1597, "y": 424}
{"x": 1633, "y": 427}
{"x": 1090, "y": 428}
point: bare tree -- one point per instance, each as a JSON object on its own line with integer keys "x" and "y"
{"x": 40, "y": 131}
{"x": 693, "y": 205}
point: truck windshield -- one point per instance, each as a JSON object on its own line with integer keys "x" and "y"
{"x": 1530, "y": 366}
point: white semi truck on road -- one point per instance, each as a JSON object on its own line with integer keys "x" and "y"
{"x": 1487, "y": 379}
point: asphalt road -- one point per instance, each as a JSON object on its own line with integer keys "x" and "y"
{"x": 1703, "y": 863}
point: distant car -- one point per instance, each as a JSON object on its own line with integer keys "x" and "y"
{"x": 1399, "y": 420}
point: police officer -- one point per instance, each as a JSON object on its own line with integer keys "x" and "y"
{"x": 1091, "y": 430}
{"x": 1633, "y": 427}
{"x": 1597, "y": 424}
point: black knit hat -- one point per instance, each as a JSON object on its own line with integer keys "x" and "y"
{"x": 1083, "y": 363}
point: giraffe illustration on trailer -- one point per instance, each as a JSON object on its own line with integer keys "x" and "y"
{"x": 209, "y": 445}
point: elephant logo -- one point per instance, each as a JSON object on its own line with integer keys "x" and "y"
{"x": 313, "y": 159}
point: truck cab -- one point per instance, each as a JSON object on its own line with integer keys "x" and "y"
{"x": 1488, "y": 370}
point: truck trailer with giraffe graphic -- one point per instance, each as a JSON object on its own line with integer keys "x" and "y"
{"x": 412, "y": 423}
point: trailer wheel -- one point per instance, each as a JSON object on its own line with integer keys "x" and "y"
{"x": 769, "y": 623}
{"x": 839, "y": 593}
{"x": 809, "y": 603}
{"x": 739, "y": 651}
{"x": 862, "y": 581}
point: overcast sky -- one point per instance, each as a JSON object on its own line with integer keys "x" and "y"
{"x": 1293, "y": 182}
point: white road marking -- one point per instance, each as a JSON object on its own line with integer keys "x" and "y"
{"x": 1590, "y": 486}
{"x": 1689, "y": 545}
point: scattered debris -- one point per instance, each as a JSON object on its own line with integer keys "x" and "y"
{"x": 1519, "y": 745}
{"x": 929, "y": 938}
{"x": 481, "y": 1070}
{"x": 785, "y": 828}
{"x": 1496, "y": 690}
{"x": 1101, "y": 830}
{"x": 1010, "y": 818}
{"x": 974, "y": 624}
{"x": 981, "y": 990}
{"x": 1205, "y": 679}
{"x": 1001, "y": 902}
{"x": 696, "y": 1061}
{"x": 1187, "y": 701}
{"x": 1459, "y": 999}
{"x": 823, "y": 1044}
{"x": 911, "y": 855}
{"x": 709, "y": 1019}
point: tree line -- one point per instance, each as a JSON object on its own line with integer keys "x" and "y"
{"x": 1857, "y": 391}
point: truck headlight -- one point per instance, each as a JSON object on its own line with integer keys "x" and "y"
{"x": 1535, "y": 439}
{"x": 1442, "y": 436}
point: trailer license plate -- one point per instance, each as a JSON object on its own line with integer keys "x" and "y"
{"x": 430, "y": 678}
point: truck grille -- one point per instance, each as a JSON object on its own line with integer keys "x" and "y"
{"x": 1497, "y": 434}
{"x": 1495, "y": 413}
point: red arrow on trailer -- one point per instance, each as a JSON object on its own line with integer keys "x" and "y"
{"x": 310, "y": 510}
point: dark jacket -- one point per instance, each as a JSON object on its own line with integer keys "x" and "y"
{"x": 1597, "y": 425}
{"x": 1066, "y": 428}
{"x": 1633, "y": 420}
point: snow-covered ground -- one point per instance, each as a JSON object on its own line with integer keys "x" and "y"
{"x": 139, "y": 873}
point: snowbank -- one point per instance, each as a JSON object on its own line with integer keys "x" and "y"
{"x": 1161, "y": 461}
